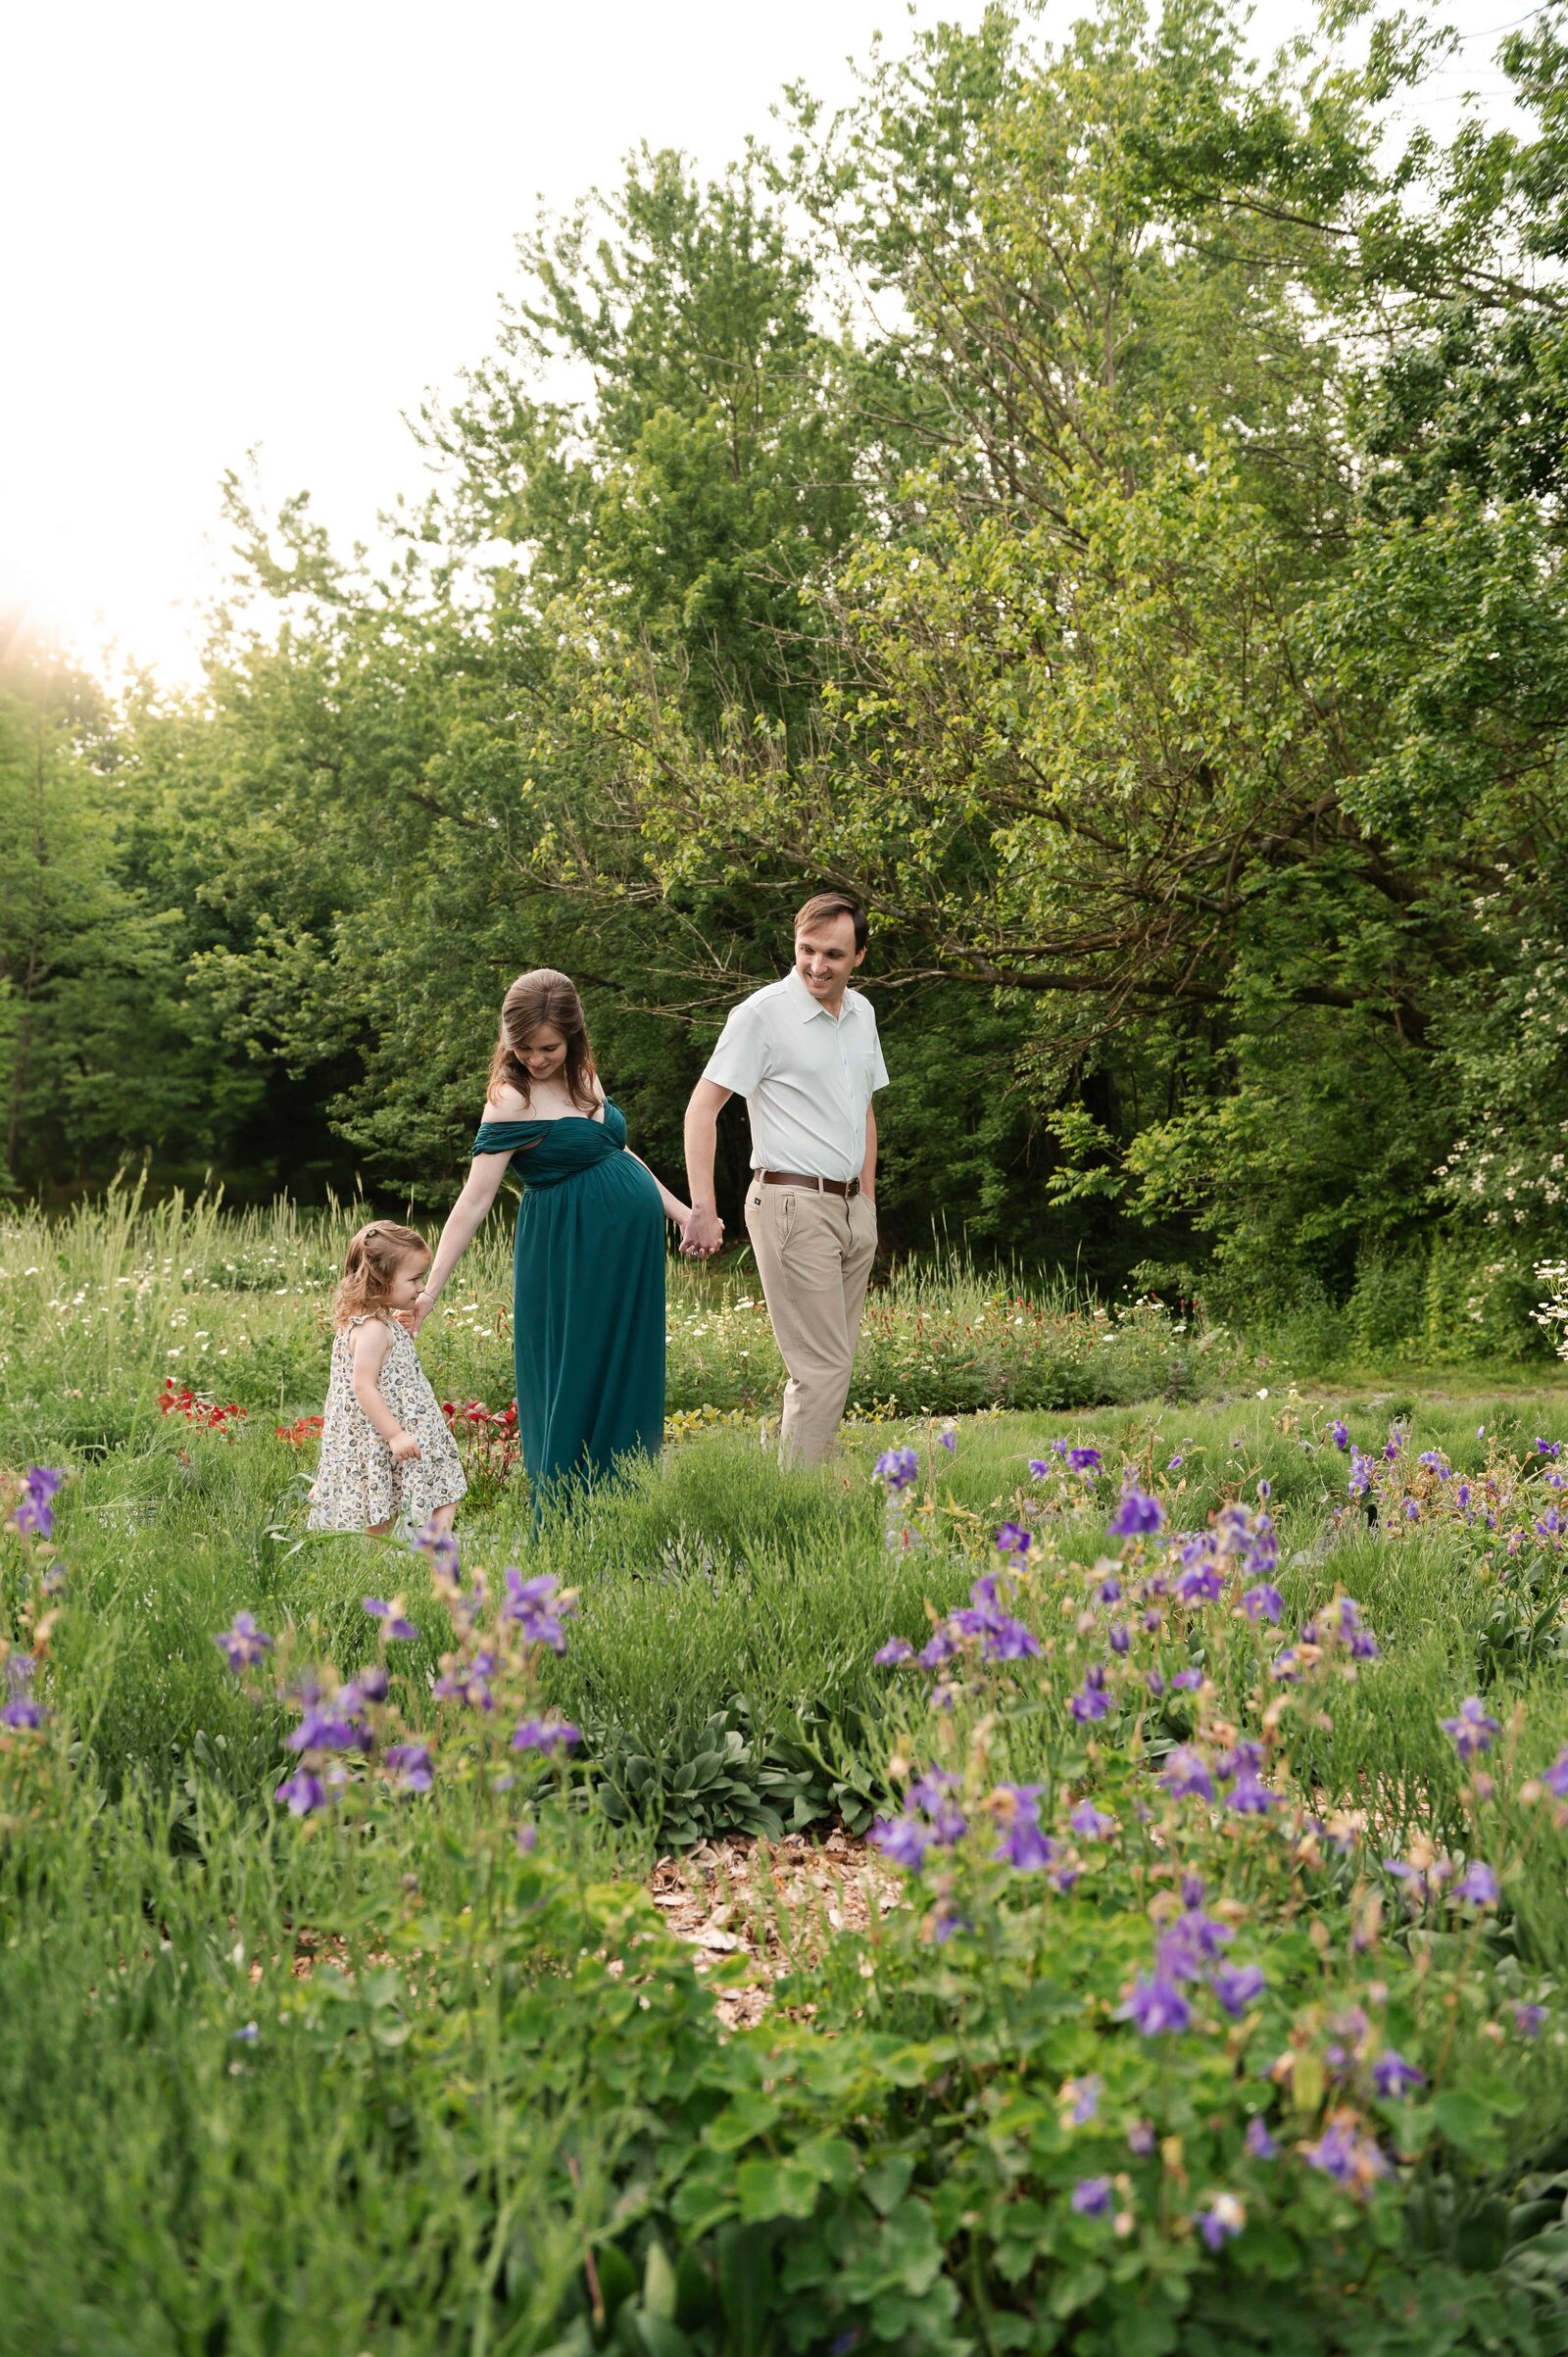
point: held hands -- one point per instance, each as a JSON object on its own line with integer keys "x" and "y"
{"x": 702, "y": 1235}
{"x": 405, "y": 1448}
{"x": 412, "y": 1319}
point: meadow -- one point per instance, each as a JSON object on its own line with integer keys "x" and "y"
{"x": 1082, "y": 1871}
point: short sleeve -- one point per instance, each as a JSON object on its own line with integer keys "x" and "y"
{"x": 740, "y": 1059}
{"x": 879, "y": 1070}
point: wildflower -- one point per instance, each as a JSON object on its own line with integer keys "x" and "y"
{"x": 243, "y": 1643}
{"x": 1157, "y": 2005}
{"x": 898, "y": 1650}
{"x": 1141, "y": 2138}
{"x": 536, "y": 1608}
{"x": 409, "y": 1766}
{"x": 1138, "y": 1515}
{"x": 1361, "y": 1480}
{"x": 939, "y": 1648}
{"x": 545, "y": 1734}
{"x": 1345, "y": 2154}
{"x": 1085, "y": 1460}
{"x": 1529, "y": 2020}
{"x": 35, "y": 1507}
{"x": 1392, "y": 2076}
{"x": 440, "y": 1551}
{"x": 1550, "y": 1524}
{"x": 372, "y": 1683}
{"x": 1091, "y": 2196}
{"x": 335, "y": 1726}
{"x": 1250, "y": 1797}
{"x": 1412, "y": 1511}
{"x": 1472, "y": 1730}
{"x": 904, "y": 1840}
{"x": 948, "y": 1438}
{"x": 1012, "y": 1539}
{"x": 933, "y": 1792}
{"x": 1542, "y": 1448}
{"x": 1039, "y": 1468}
{"x": 1023, "y": 1845}
{"x": 1091, "y": 1823}
{"x": 1340, "y": 1433}
{"x": 1258, "y": 2143}
{"x": 1186, "y": 1775}
{"x": 1109, "y": 1592}
{"x": 1080, "y": 2101}
{"x": 1119, "y": 1637}
{"x": 304, "y": 1792}
{"x": 1478, "y": 1884}
{"x": 1093, "y": 1701}
{"x": 897, "y": 1469}
{"x": 1173, "y": 1464}
{"x": 1200, "y": 1585}
{"x": 1007, "y": 1639}
{"x": 23, "y": 1711}
{"x": 1224, "y": 2219}
{"x": 1263, "y": 1603}
{"x": 1555, "y": 1778}
{"x": 398, "y": 1624}
{"x": 1237, "y": 1985}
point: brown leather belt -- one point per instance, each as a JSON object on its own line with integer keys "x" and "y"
{"x": 850, "y": 1188}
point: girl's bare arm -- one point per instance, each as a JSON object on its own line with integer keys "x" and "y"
{"x": 369, "y": 1345}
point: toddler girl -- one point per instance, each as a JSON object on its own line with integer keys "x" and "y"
{"x": 385, "y": 1447}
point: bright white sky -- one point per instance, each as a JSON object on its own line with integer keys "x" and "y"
{"x": 237, "y": 226}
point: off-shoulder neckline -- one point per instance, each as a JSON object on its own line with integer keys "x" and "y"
{"x": 549, "y": 1120}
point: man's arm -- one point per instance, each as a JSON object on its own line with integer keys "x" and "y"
{"x": 869, "y": 1167}
{"x": 705, "y": 1230}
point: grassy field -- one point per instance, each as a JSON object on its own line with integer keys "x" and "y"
{"x": 1192, "y": 1966}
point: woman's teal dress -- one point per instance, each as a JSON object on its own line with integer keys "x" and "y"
{"x": 588, "y": 1305}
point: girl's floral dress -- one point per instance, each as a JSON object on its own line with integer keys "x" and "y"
{"x": 357, "y": 1481}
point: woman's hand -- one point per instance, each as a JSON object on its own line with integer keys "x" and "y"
{"x": 412, "y": 1319}
{"x": 405, "y": 1448}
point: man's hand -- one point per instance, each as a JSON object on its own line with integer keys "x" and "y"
{"x": 703, "y": 1234}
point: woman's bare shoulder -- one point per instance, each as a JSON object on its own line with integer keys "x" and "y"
{"x": 505, "y": 1103}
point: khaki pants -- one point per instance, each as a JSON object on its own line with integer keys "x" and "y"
{"x": 814, "y": 1254}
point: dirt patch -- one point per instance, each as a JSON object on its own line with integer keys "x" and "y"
{"x": 774, "y": 1904}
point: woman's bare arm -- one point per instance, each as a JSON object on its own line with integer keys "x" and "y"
{"x": 463, "y": 1221}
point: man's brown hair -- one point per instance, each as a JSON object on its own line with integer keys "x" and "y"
{"x": 825, "y": 905}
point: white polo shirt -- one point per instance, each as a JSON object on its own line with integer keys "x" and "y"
{"x": 807, "y": 1081}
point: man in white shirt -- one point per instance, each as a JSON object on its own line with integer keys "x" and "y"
{"x": 804, "y": 1055}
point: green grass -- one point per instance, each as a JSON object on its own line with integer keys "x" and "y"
{"x": 459, "y": 2088}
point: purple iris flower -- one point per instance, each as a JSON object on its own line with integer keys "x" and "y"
{"x": 1091, "y": 1823}
{"x": 1529, "y": 2020}
{"x": 532, "y": 1604}
{"x": 1543, "y": 1448}
{"x": 1119, "y": 1637}
{"x": 1186, "y": 1680}
{"x": 398, "y": 1624}
{"x": 335, "y": 1726}
{"x": 1392, "y": 2076}
{"x": 1085, "y": 2099}
{"x": 1223, "y": 2219}
{"x": 1093, "y": 1702}
{"x": 1412, "y": 1511}
{"x": 1040, "y": 1467}
{"x": 1199, "y": 1586}
{"x": 1340, "y": 1433}
{"x": 1258, "y": 2143}
{"x": 903, "y": 1839}
{"x": 409, "y": 1766}
{"x": 1109, "y": 1592}
{"x": 1361, "y": 1480}
{"x": 1550, "y": 1524}
{"x": 1007, "y": 1639}
{"x": 1478, "y": 1884}
{"x": 242, "y": 1645}
{"x": 939, "y": 1646}
{"x": 1091, "y": 2196}
{"x": 947, "y": 1438}
{"x": 1023, "y": 1845}
{"x": 545, "y": 1734}
{"x": 1157, "y": 2005}
{"x": 1237, "y": 1985}
{"x": 1013, "y": 1540}
{"x": 1341, "y": 2154}
{"x": 1138, "y": 1515}
{"x": 1186, "y": 1775}
{"x": 372, "y": 1682}
{"x": 897, "y": 1469}
{"x": 1555, "y": 1778}
{"x": 1085, "y": 1460}
{"x": 35, "y": 1507}
{"x": 1141, "y": 2138}
{"x": 23, "y": 1711}
{"x": 1263, "y": 1603}
{"x": 1250, "y": 1797}
{"x": 304, "y": 1792}
{"x": 896, "y": 1649}
{"x": 1472, "y": 1730}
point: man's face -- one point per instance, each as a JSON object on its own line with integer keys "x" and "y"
{"x": 825, "y": 956}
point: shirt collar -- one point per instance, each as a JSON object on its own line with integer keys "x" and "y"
{"x": 808, "y": 1007}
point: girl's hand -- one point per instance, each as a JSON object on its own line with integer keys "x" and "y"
{"x": 405, "y": 1448}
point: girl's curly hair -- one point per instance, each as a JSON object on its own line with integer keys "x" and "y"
{"x": 370, "y": 1265}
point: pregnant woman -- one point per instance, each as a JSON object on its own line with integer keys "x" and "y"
{"x": 588, "y": 1310}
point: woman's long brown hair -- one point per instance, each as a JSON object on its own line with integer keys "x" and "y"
{"x": 534, "y": 1000}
